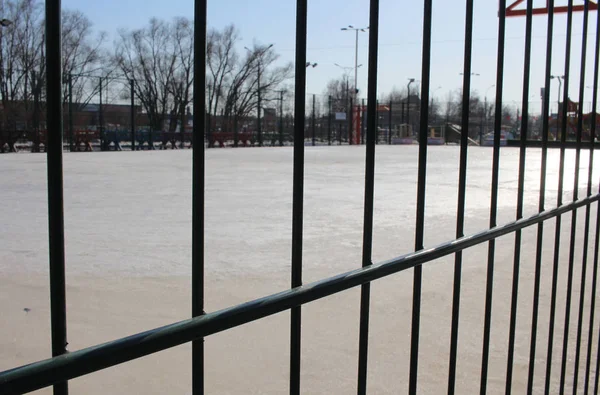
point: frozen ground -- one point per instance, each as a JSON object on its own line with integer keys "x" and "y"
{"x": 128, "y": 241}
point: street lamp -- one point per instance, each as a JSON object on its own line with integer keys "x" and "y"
{"x": 356, "y": 30}
{"x": 410, "y": 81}
{"x": 432, "y": 97}
{"x": 560, "y": 78}
{"x": 258, "y": 56}
{"x": 346, "y": 69}
{"x": 485, "y": 112}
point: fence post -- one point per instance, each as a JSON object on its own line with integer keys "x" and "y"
{"x": 70, "y": 113}
{"x": 350, "y": 126}
{"x": 377, "y": 122}
{"x": 313, "y": 121}
{"x": 329, "y": 122}
{"x": 281, "y": 118}
{"x": 132, "y": 93}
{"x": 390, "y": 124}
{"x": 363, "y": 123}
{"x": 103, "y": 144}
{"x": 36, "y": 115}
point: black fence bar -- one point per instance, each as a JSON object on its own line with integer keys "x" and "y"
{"x": 589, "y": 192}
{"x": 520, "y": 195}
{"x": 75, "y": 364}
{"x": 559, "y": 200}
{"x": 494, "y": 197}
{"x": 56, "y": 225}
{"x": 298, "y": 192}
{"x": 421, "y": 184}
{"x": 588, "y": 359}
{"x": 462, "y": 190}
{"x": 365, "y": 293}
{"x": 542, "y": 199}
{"x": 565, "y": 349}
{"x": 198, "y": 182}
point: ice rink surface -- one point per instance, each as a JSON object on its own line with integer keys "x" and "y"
{"x": 128, "y": 256}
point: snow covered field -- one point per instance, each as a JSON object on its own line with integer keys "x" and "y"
{"x": 128, "y": 245}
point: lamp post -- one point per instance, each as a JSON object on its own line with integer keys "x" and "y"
{"x": 560, "y": 79}
{"x": 349, "y": 100}
{"x": 356, "y": 30}
{"x": 432, "y": 96}
{"x": 484, "y": 113}
{"x": 410, "y": 81}
{"x": 313, "y": 65}
{"x": 258, "y": 56}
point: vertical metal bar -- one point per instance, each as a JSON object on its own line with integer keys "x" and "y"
{"x": 597, "y": 240}
{"x": 462, "y": 187}
{"x": 592, "y": 308}
{"x": 421, "y": 184}
{"x": 559, "y": 200}
{"x": 54, "y": 148}
{"x": 520, "y": 195}
{"x": 542, "y": 198}
{"x": 494, "y": 198}
{"x": 565, "y": 349}
{"x": 132, "y": 94}
{"x": 314, "y": 141}
{"x": 365, "y": 292}
{"x": 298, "y": 192}
{"x": 589, "y": 192}
{"x": 390, "y": 124}
{"x": 198, "y": 181}
{"x": 329, "y": 122}
{"x": 70, "y": 113}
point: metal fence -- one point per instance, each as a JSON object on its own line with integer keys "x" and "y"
{"x": 68, "y": 365}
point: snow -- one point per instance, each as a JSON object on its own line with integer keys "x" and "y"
{"x": 128, "y": 245}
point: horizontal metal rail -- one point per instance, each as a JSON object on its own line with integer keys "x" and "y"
{"x": 78, "y": 363}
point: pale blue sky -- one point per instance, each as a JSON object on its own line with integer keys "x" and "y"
{"x": 273, "y": 21}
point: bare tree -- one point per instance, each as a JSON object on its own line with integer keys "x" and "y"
{"x": 149, "y": 57}
{"x": 83, "y": 55}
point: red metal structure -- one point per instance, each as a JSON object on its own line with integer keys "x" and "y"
{"x": 512, "y": 9}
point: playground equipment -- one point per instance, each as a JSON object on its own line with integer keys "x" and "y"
{"x": 436, "y": 135}
{"x": 403, "y": 134}
{"x": 512, "y": 9}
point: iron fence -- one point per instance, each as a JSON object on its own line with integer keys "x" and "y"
{"x": 68, "y": 365}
